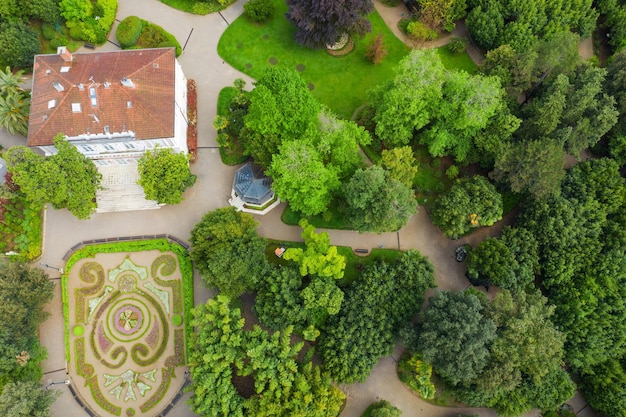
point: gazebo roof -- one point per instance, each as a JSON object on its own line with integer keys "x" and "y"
{"x": 251, "y": 185}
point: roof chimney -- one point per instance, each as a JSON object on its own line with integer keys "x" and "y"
{"x": 65, "y": 54}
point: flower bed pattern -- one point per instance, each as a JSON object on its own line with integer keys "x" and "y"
{"x": 127, "y": 357}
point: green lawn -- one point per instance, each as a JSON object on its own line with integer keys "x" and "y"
{"x": 456, "y": 61}
{"x": 341, "y": 83}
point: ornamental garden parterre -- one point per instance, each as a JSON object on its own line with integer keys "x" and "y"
{"x": 125, "y": 326}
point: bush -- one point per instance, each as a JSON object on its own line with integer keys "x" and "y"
{"x": 457, "y": 45}
{"x": 419, "y": 32}
{"x": 128, "y": 31}
{"x": 152, "y": 36}
{"x": 201, "y": 8}
{"x": 376, "y": 51}
{"x": 48, "y": 31}
{"x": 59, "y": 41}
{"x": 259, "y": 10}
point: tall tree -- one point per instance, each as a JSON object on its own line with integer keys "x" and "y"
{"x": 320, "y": 23}
{"x": 386, "y": 298}
{"x": 24, "y": 291}
{"x": 281, "y": 109}
{"x": 22, "y": 399}
{"x": 376, "y": 202}
{"x": 469, "y": 204}
{"x": 455, "y": 336}
{"x": 400, "y": 111}
{"x": 19, "y": 43}
{"x": 228, "y": 252}
{"x": 14, "y": 112}
{"x": 165, "y": 175}
{"x": 10, "y": 82}
{"x": 301, "y": 177}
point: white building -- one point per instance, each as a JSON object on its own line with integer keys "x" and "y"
{"x": 113, "y": 106}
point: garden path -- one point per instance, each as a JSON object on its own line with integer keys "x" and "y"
{"x": 200, "y": 61}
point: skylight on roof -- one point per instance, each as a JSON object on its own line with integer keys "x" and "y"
{"x": 58, "y": 87}
{"x": 76, "y": 108}
{"x": 52, "y": 104}
{"x": 65, "y": 69}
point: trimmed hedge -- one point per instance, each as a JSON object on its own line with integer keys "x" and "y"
{"x": 136, "y": 33}
{"x": 128, "y": 31}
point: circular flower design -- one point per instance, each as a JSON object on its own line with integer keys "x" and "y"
{"x": 128, "y": 319}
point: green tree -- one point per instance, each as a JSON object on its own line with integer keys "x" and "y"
{"x": 515, "y": 70}
{"x": 375, "y": 307}
{"x": 18, "y": 43}
{"x": 400, "y": 111}
{"x": 45, "y": 10}
{"x": 441, "y": 14}
{"x": 75, "y": 10}
{"x": 10, "y": 82}
{"x": 509, "y": 262}
{"x": 14, "y": 112}
{"x": 24, "y": 291}
{"x": 26, "y": 399}
{"x": 470, "y": 203}
{"x": 227, "y": 251}
{"x": 301, "y": 177}
{"x": 455, "y": 336}
{"x": 165, "y": 175}
{"x": 604, "y": 386}
{"x": 69, "y": 179}
{"x": 281, "y": 109}
{"x": 375, "y": 202}
{"x": 319, "y": 257}
{"x": 534, "y": 166}
{"x": 400, "y": 164}
{"x": 469, "y": 101}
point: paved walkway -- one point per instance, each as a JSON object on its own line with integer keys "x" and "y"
{"x": 200, "y": 35}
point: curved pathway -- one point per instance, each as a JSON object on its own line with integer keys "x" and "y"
{"x": 200, "y": 36}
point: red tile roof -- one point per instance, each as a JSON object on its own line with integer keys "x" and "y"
{"x": 147, "y": 109}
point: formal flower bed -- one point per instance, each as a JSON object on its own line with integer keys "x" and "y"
{"x": 130, "y": 306}
{"x": 192, "y": 117}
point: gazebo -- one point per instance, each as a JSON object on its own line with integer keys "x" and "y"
{"x": 252, "y": 190}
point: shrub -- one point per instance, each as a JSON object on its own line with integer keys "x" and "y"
{"x": 376, "y": 51}
{"x": 48, "y": 31}
{"x": 177, "y": 320}
{"x": 59, "y": 41}
{"x": 201, "y": 8}
{"x": 419, "y": 32}
{"x": 457, "y": 45}
{"x": 259, "y": 10}
{"x": 128, "y": 31}
{"x": 106, "y": 10}
{"x": 78, "y": 330}
{"x": 152, "y": 36}
{"x": 452, "y": 172}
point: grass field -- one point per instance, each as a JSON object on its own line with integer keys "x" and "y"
{"x": 341, "y": 83}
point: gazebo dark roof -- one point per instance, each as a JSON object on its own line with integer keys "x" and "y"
{"x": 251, "y": 185}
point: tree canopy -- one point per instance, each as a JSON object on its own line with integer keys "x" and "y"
{"x": 376, "y": 202}
{"x": 469, "y": 204}
{"x": 224, "y": 355}
{"x": 26, "y": 399}
{"x": 165, "y": 175}
{"x": 320, "y": 23}
{"x": 281, "y": 109}
{"x": 228, "y": 252}
{"x": 71, "y": 179}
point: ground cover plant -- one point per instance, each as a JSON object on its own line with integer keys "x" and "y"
{"x": 339, "y": 83}
{"x": 127, "y": 306}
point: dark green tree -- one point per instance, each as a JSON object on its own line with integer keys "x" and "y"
{"x": 228, "y": 252}
{"x": 18, "y": 43}
{"x": 279, "y": 303}
{"x": 469, "y": 204}
{"x": 455, "y": 336}
{"x": 165, "y": 175}
{"x": 376, "y": 202}
{"x": 385, "y": 299}
{"x": 604, "y": 386}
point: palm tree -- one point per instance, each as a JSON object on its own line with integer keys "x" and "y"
{"x": 10, "y": 82}
{"x": 14, "y": 110}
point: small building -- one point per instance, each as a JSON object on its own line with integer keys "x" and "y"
{"x": 252, "y": 191}
{"x": 113, "y": 107}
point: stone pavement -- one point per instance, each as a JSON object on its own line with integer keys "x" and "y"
{"x": 200, "y": 35}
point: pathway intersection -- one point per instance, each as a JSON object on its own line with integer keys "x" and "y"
{"x": 200, "y": 61}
